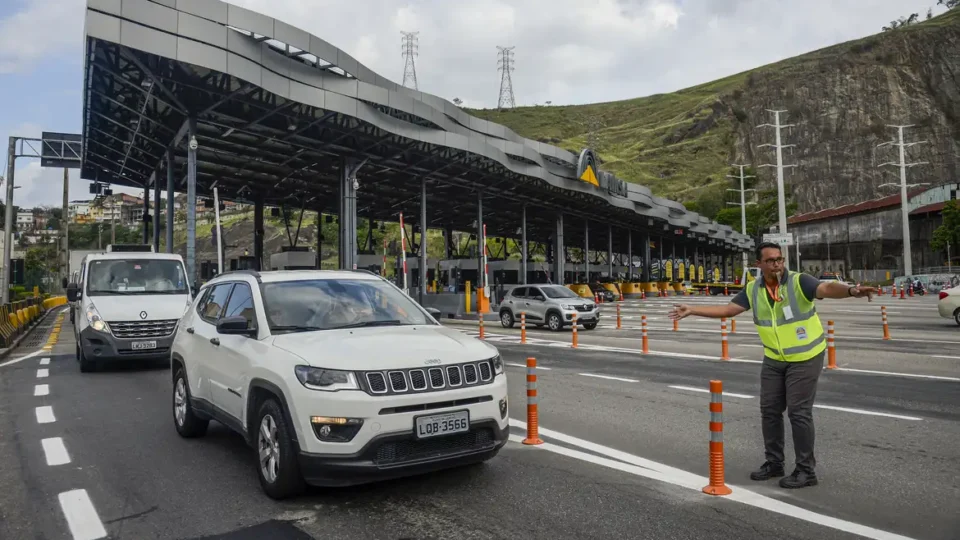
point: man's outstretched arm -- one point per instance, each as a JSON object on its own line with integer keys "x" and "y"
{"x": 738, "y": 305}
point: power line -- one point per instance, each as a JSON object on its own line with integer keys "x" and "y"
{"x": 781, "y": 200}
{"x": 907, "y": 259}
{"x": 410, "y": 47}
{"x": 505, "y": 66}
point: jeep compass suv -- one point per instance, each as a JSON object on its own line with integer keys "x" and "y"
{"x": 334, "y": 378}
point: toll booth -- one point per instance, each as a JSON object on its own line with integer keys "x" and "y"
{"x": 413, "y": 272}
{"x": 293, "y": 258}
{"x": 373, "y": 263}
{"x": 244, "y": 262}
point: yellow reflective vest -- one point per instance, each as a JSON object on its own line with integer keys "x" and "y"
{"x": 789, "y": 329}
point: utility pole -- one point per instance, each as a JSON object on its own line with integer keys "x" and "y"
{"x": 905, "y": 214}
{"x": 65, "y": 223}
{"x": 781, "y": 200}
{"x": 410, "y": 47}
{"x": 505, "y": 66}
{"x": 743, "y": 206}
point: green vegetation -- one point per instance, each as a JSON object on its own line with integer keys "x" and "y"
{"x": 949, "y": 232}
{"x": 681, "y": 144}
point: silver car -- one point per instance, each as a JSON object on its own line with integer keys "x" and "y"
{"x": 553, "y": 305}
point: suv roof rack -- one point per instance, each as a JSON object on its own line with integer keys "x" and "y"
{"x": 130, "y": 248}
{"x": 253, "y": 273}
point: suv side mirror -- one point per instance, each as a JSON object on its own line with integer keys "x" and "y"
{"x": 434, "y": 312}
{"x": 73, "y": 292}
{"x": 540, "y": 298}
{"x": 235, "y": 326}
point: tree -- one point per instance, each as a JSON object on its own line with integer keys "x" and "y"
{"x": 949, "y": 231}
{"x": 950, "y": 4}
{"x": 904, "y": 21}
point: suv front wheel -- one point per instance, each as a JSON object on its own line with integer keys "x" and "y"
{"x": 188, "y": 424}
{"x": 506, "y": 319}
{"x": 555, "y": 322}
{"x": 277, "y": 464}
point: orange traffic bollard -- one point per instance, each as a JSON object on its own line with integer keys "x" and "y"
{"x": 902, "y": 296}
{"x": 717, "y": 485}
{"x": 533, "y": 422}
{"x": 619, "y": 318}
{"x": 643, "y": 326}
{"x": 886, "y": 329}
{"x": 480, "y": 315}
{"x": 724, "y": 346}
{"x": 574, "y": 330}
{"x": 523, "y": 327}
{"x": 676, "y": 325}
{"x": 733, "y": 326}
{"x": 831, "y": 347}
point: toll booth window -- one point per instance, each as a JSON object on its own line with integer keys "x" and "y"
{"x": 328, "y": 304}
{"x": 139, "y": 276}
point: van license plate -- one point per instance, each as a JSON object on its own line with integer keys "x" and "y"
{"x": 442, "y": 424}
{"x": 143, "y": 345}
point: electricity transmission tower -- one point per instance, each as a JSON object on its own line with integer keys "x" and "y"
{"x": 907, "y": 260}
{"x": 743, "y": 206}
{"x": 505, "y": 66}
{"x": 781, "y": 200}
{"x": 410, "y": 47}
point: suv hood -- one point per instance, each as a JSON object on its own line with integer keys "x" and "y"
{"x": 128, "y": 308}
{"x": 384, "y": 347}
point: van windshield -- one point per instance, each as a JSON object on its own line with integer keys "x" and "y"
{"x": 136, "y": 276}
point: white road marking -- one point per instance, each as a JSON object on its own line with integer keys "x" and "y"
{"x": 899, "y": 374}
{"x": 41, "y": 390}
{"x": 871, "y": 413}
{"x": 947, "y": 357}
{"x": 707, "y": 391}
{"x": 81, "y": 516}
{"x": 524, "y": 365}
{"x": 45, "y": 414}
{"x": 55, "y": 451}
{"x": 608, "y": 377}
{"x": 44, "y": 361}
{"x": 639, "y": 466}
{"x": 42, "y": 373}
{"x": 21, "y": 359}
{"x": 749, "y": 345}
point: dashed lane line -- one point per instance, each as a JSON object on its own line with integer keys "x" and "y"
{"x": 41, "y": 390}
{"x": 55, "y": 451}
{"x": 947, "y": 357}
{"x": 43, "y": 373}
{"x": 22, "y": 358}
{"x": 869, "y": 413}
{"x": 44, "y": 361}
{"x": 82, "y": 517}
{"x": 45, "y": 414}
{"x": 524, "y": 366}
{"x": 608, "y": 377}
{"x": 706, "y": 391}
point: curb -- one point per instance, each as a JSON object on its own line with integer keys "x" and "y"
{"x": 6, "y": 352}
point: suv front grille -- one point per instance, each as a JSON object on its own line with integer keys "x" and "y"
{"x": 417, "y": 380}
{"x": 583, "y": 307}
{"x": 143, "y": 329}
{"x": 395, "y": 452}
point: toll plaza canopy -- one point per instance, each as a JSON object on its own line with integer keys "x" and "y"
{"x": 281, "y": 117}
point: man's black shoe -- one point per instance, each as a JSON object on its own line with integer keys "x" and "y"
{"x": 799, "y": 479}
{"x": 767, "y": 471}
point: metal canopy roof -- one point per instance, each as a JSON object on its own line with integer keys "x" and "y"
{"x": 278, "y": 110}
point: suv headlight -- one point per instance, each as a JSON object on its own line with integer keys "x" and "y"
{"x": 497, "y": 365}
{"x": 95, "y": 320}
{"x": 329, "y": 380}
{"x": 568, "y": 306}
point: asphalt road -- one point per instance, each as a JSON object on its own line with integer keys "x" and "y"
{"x": 622, "y": 459}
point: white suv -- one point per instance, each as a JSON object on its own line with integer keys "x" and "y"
{"x": 335, "y": 378}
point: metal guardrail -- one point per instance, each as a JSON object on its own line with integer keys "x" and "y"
{"x": 16, "y": 318}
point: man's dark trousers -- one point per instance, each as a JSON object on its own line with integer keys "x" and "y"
{"x": 791, "y": 386}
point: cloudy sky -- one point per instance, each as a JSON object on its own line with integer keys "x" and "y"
{"x": 567, "y": 51}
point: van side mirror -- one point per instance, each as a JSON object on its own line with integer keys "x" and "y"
{"x": 235, "y": 326}
{"x": 73, "y": 292}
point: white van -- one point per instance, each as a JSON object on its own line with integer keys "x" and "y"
{"x": 128, "y": 302}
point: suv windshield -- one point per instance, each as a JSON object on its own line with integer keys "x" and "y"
{"x": 559, "y": 292}
{"x": 136, "y": 276}
{"x": 328, "y": 304}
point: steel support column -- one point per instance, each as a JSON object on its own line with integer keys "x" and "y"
{"x": 145, "y": 219}
{"x": 558, "y": 251}
{"x": 170, "y": 215}
{"x": 646, "y": 258}
{"x": 156, "y": 213}
{"x": 258, "y": 232}
{"x": 348, "y": 215}
{"x": 423, "y": 240}
{"x": 660, "y": 258}
{"x": 523, "y": 246}
{"x": 192, "y": 203}
{"x": 630, "y": 256}
{"x": 8, "y": 219}
{"x": 586, "y": 250}
{"x": 610, "y": 251}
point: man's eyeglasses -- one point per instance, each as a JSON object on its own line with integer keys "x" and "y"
{"x": 778, "y": 260}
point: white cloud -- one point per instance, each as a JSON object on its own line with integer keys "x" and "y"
{"x": 40, "y": 31}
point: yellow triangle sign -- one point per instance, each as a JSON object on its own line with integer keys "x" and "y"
{"x": 589, "y": 177}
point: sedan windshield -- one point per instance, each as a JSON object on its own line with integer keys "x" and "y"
{"x": 559, "y": 292}
{"x": 330, "y": 304}
{"x": 136, "y": 276}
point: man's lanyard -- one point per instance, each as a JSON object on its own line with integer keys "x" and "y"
{"x": 774, "y": 293}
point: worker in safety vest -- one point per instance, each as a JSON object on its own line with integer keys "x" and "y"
{"x": 794, "y": 343}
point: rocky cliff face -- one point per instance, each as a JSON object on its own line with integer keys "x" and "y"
{"x": 840, "y": 99}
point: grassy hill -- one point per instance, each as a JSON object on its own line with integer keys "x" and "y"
{"x": 680, "y": 143}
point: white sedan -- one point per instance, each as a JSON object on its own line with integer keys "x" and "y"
{"x": 949, "y": 305}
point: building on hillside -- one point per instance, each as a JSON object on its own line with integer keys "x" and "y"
{"x": 864, "y": 241}
{"x": 25, "y": 220}
{"x": 79, "y": 212}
